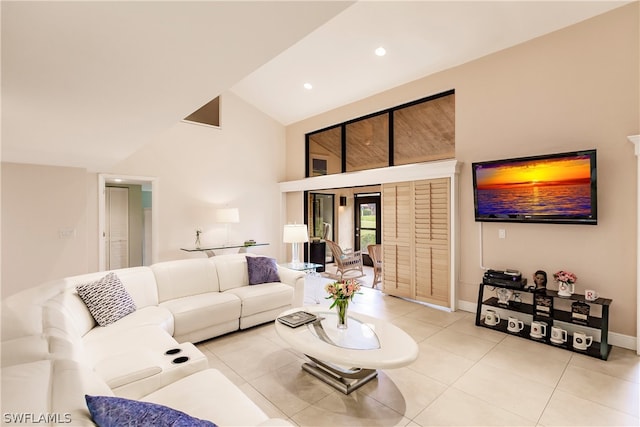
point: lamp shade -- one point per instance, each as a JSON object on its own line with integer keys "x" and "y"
{"x": 295, "y": 233}
{"x": 228, "y": 215}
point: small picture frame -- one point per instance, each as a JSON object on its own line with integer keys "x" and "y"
{"x": 543, "y": 304}
{"x": 318, "y": 166}
{"x": 580, "y": 312}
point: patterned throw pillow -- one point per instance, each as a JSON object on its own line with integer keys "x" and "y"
{"x": 108, "y": 411}
{"x": 262, "y": 270}
{"x": 107, "y": 299}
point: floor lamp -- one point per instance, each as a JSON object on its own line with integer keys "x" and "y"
{"x": 295, "y": 234}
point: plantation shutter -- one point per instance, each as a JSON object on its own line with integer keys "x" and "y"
{"x": 431, "y": 201}
{"x": 397, "y": 236}
{"x": 416, "y": 240}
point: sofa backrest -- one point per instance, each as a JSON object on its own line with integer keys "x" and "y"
{"x": 140, "y": 282}
{"x": 68, "y": 313}
{"x": 51, "y": 388}
{"x": 185, "y": 277}
{"x": 232, "y": 270}
{"x": 22, "y": 312}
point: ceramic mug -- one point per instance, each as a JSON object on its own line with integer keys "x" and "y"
{"x": 558, "y": 335}
{"x": 515, "y": 325}
{"x": 491, "y": 318}
{"x": 538, "y": 329}
{"x": 591, "y": 295}
{"x": 581, "y": 341}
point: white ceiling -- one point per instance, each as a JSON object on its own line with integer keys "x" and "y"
{"x": 86, "y": 84}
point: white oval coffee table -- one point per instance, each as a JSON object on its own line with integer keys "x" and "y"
{"x": 347, "y": 359}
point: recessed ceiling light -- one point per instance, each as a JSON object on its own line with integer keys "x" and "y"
{"x": 381, "y": 51}
{"x": 308, "y": 86}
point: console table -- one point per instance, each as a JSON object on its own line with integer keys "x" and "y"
{"x": 557, "y": 316}
{"x": 210, "y": 250}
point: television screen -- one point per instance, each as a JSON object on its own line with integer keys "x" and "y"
{"x": 556, "y": 188}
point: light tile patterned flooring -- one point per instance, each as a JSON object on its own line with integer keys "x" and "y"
{"x": 464, "y": 376}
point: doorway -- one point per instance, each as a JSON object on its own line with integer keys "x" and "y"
{"x": 147, "y": 238}
{"x": 117, "y": 228}
{"x": 367, "y": 220}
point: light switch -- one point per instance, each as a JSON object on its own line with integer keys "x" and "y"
{"x": 502, "y": 233}
{"x": 66, "y": 232}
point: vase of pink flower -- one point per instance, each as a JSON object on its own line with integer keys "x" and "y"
{"x": 341, "y": 293}
{"x": 566, "y": 282}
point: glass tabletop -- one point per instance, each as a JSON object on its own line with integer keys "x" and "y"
{"x": 301, "y": 266}
{"x": 358, "y": 335}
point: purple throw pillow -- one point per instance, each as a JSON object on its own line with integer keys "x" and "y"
{"x": 109, "y": 411}
{"x": 262, "y": 270}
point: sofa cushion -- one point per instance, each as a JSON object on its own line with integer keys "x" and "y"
{"x": 106, "y": 343}
{"x": 201, "y": 311}
{"x": 117, "y": 411}
{"x": 262, "y": 270}
{"x": 219, "y": 400}
{"x": 264, "y": 297}
{"x": 107, "y": 299}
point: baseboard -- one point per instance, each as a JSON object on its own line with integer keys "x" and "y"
{"x": 624, "y": 341}
{"x": 619, "y": 340}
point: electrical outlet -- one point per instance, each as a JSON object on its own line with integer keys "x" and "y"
{"x": 502, "y": 233}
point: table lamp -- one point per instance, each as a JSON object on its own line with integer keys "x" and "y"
{"x": 227, "y": 216}
{"x": 295, "y": 234}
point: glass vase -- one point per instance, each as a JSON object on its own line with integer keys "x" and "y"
{"x": 342, "y": 306}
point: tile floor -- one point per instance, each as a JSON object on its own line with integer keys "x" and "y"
{"x": 464, "y": 376}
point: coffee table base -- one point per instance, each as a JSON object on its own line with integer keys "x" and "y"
{"x": 345, "y": 380}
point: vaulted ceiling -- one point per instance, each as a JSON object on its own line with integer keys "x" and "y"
{"x": 88, "y": 83}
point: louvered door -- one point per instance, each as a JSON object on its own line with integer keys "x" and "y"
{"x": 432, "y": 231}
{"x": 397, "y": 236}
{"x": 416, "y": 240}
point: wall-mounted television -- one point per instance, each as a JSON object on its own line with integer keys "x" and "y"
{"x": 553, "y": 188}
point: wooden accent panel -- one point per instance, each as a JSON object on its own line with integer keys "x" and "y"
{"x": 425, "y": 132}
{"x": 368, "y": 143}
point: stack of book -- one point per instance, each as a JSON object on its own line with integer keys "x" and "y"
{"x": 297, "y": 319}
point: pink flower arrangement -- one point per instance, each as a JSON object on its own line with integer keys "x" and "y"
{"x": 344, "y": 290}
{"x": 565, "y": 276}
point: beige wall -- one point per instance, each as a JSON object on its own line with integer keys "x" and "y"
{"x": 577, "y": 88}
{"x": 38, "y": 203}
{"x": 198, "y": 169}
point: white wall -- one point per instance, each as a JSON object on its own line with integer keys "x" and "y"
{"x": 201, "y": 168}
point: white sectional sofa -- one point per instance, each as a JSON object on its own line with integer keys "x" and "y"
{"x": 54, "y": 353}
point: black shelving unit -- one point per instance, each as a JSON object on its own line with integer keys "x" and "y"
{"x": 599, "y": 349}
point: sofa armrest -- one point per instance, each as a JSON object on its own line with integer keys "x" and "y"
{"x": 296, "y": 280}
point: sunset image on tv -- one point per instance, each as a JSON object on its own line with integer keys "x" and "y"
{"x": 555, "y": 186}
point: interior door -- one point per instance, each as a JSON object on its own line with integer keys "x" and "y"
{"x": 117, "y": 227}
{"x": 367, "y": 220}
